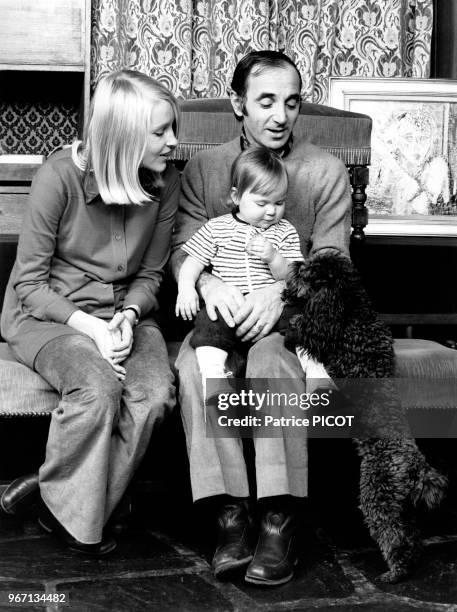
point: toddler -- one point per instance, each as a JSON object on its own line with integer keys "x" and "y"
{"x": 249, "y": 248}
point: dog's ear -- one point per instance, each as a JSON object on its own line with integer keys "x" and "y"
{"x": 322, "y": 281}
{"x": 338, "y": 275}
{"x": 320, "y": 326}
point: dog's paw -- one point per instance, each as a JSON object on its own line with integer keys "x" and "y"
{"x": 392, "y": 576}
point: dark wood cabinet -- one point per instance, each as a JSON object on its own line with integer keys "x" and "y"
{"x": 44, "y": 90}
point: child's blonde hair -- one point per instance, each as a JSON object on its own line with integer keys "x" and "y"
{"x": 116, "y": 134}
{"x": 258, "y": 170}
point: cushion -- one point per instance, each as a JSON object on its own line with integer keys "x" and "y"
{"x": 209, "y": 122}
{"x": 22, "y": 391}
{"x": 429, "y": 373}
{"x": 424, "y": 359}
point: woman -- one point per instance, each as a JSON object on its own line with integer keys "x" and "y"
{"x": 94, "y": 241}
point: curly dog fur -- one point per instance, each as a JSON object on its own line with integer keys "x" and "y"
{"x": 338, "y": 327}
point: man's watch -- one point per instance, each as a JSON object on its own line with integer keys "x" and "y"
{"x": 136, "y": 311}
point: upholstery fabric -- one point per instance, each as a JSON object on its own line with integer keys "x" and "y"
{"x": 22, "y": 391}
{"x": 430, "y": 373}
{"x": 211, "y": 122}
{"x": 193, "y": 47}
{"x": 424, "y": 358}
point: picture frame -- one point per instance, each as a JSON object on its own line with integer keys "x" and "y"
{"x": 413, "y": 171}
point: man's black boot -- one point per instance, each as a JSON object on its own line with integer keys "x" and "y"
{"x": 234, "y": 541}
{"x": 274, "y": 557}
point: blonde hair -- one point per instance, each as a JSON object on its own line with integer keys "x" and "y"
{"x": 116, "y": 134}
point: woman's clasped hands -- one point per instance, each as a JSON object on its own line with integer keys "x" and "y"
{"x": 120, "y": 335}
{"x": 114, "y": 339}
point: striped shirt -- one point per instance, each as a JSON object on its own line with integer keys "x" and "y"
{"x": 222, "y": 241}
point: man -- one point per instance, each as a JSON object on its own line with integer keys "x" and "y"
{"x": 266, "y": 99}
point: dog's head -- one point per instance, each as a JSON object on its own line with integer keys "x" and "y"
{"x": 326, "y": 290}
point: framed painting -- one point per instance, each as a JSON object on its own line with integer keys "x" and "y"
{"x": 413, "y": 171}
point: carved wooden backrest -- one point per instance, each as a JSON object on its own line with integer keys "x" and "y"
{"x": 208, "y": 123}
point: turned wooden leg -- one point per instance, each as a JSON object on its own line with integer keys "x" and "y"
{"x": 358, "y": 176}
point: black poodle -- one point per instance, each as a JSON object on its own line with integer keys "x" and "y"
{"x": 337, "y": 326}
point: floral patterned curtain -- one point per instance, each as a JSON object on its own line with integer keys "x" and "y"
{"x": 193, "y": 45}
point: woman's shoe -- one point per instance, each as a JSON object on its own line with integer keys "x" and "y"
{"x": 20, "y": 494}
{"x": 51, "y": 525}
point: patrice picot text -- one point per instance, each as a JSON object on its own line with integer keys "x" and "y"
{"x": 266, "y": 405}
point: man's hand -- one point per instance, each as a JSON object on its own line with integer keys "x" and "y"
{"x": 187, "y": 303}
{"x": 217, "y": 294}
{"x": 259, "y": 313}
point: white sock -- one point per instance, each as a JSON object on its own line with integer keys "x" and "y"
{"x": 313, "y": 369}
{"x": 211, "y": 360}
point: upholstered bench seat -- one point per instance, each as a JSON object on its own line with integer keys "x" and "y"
{"x": 22, "y": 391}
{"x": 427, "y": 371}
{"x": 25, "y": 393}
{"x": 424, "y": 359}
